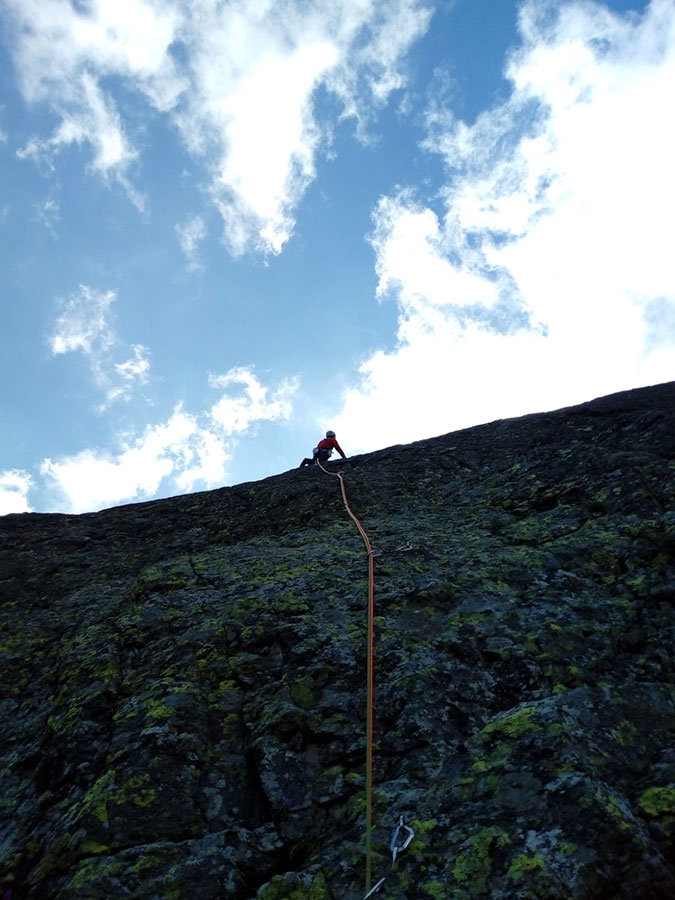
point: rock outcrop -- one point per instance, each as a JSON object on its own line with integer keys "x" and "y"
{"x": 183, "y": 697}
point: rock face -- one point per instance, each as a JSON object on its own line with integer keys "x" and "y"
{"x": 184, "y": 681}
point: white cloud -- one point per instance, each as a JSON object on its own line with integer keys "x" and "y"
{"x": 58, "y": 41}
{"x": 185, "y": 453}
{"x": 255, "y": 402}
{"x": 659, "y": 317}
{"x": 206, "y": 464}
{"x": 14, "y": 488}
{"x": 92, "y": 480}
{"x": 543, "y": 276}
{"x": 238, "y": 79}
{"x": 48, "y": 213}
{"x": 250, "y": 110}
{"x": 137, "y": 367}
{"x": 129, "y": 375}
{"x": 63, "y": 53}
{"x": 85, "y": 325}
{"x": 378, "y": 37}
{"x": 96, "y": 122}
{"x": 190, "y": 235}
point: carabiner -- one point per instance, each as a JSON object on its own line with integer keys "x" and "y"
{"x": 394, "y": 844}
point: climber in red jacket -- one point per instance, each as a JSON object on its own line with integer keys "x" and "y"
{"x": 323, "y": 450}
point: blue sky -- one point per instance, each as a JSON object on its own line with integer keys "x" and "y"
{"x": 228, "y": 226}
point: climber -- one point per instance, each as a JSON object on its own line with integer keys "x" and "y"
{"x": 323, "y": 450}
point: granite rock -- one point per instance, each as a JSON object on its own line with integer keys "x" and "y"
{"x": 183, "y": 701}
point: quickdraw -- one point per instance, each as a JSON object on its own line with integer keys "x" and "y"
{"x": 400, "y": 840}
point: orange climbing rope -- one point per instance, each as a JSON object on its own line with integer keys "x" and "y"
{"x": 370, "y": 679}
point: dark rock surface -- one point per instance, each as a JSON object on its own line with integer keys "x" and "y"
{"x": 183, "y": 682}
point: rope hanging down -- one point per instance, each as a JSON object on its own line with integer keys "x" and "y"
{"x": 403, "y": 834}
{"x": 369, "y": 678}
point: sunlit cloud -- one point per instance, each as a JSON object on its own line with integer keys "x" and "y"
{"x": 62, "y": 54}
{"x": 92, "y": 480}
{"x": 137, "y": 367}
{"x": 85, "y": 325}
{"x": 378, "y": 44}
{"x": 250, "y": 402}
{"x": 14, "y": 488}
{"x": 238, "y": 80}
{"x": 98, "y": 124}
{"x": 541, "y": 274}
{"x": 187, "y": 452}
{"x": 250, "y": 112}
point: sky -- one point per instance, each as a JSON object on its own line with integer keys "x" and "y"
{"x": 227, "y": 226}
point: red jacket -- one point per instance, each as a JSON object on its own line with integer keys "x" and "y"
{"x": 330, "y": 444}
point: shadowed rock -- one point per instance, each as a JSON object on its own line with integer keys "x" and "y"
{"x": 183, "y": 694}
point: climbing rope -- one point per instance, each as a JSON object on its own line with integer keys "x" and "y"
{"x": 403, "y": 834}
{"x": 369, "y": 678}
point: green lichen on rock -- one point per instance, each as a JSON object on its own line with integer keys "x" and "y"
{"x": 472, "y": 866}
{"x": 522, "y": 867}
{"x": 183, "y": 705}
{"x": 310, "y": 886}
{"x": 658, "y": 801}
{"x": 513, "y": 724}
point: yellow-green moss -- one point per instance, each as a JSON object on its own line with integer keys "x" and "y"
{"x": 513, "y": 725}
{"x": 435, "y": 889}
{"x": 657, "y": 801}
{"x": 523, "y": 865}
{"x": 473, "y": 867}
{"x": 625, "y": 732}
